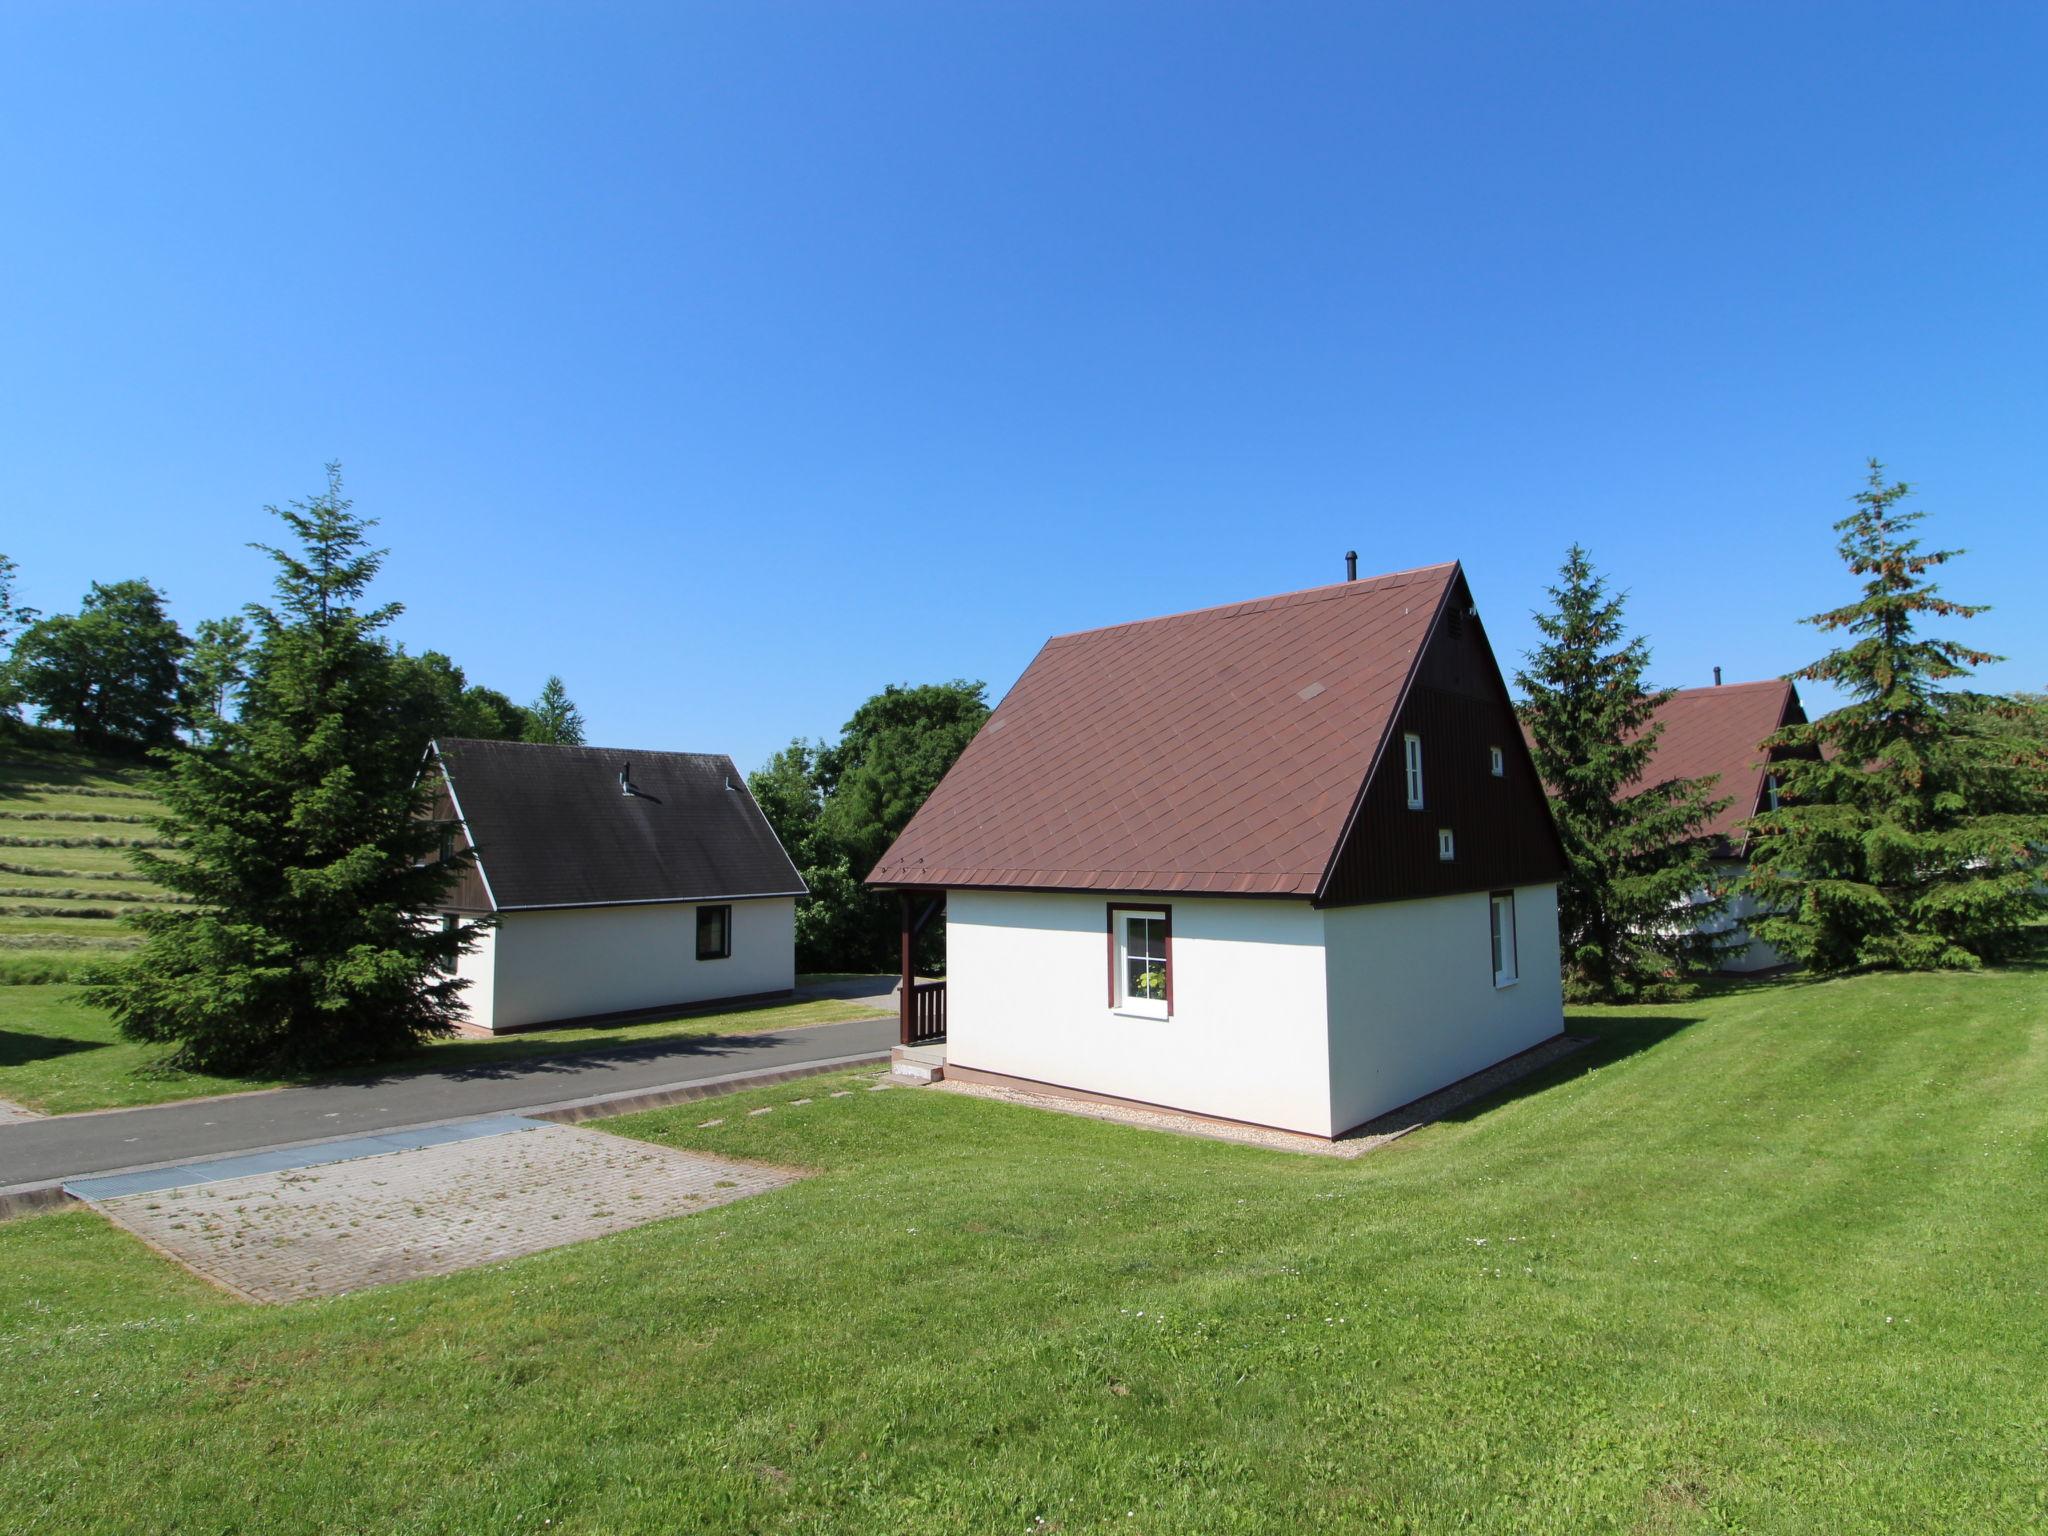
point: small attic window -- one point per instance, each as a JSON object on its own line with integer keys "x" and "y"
{"x": 1446, "y": 845}
{"x": 1411, "y": 752}
{"x": 1496, "y": 762}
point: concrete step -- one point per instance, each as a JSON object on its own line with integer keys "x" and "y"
{"x": 918, "y": 1063}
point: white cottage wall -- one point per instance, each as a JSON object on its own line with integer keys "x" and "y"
{"x": 1028, "y": 996}
{"x": 571, "y": 962}
{"x": 1412, "y": 1000}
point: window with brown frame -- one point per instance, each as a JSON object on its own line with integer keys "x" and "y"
{"x": 1141, "y": 960}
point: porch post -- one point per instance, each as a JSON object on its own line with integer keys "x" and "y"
{"x": 906, "y": 1000}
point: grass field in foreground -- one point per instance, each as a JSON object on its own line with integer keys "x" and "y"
{"x": 59, "y": 1056}
{"x": 1772, "y": 1261}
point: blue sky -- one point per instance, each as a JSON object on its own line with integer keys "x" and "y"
{"x": 735, "y": 360}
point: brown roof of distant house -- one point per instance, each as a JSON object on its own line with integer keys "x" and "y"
{"x": 553, "y": 828}
{"x": 1219, "y": 752}
{"x": 1720, "y": 731}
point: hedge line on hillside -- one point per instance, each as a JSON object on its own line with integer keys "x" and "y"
{"x": 87, "y": 790}
{"x": 8, "y": 840}
{"x": 51, "y": 872}
{"x": 133, "y": 821}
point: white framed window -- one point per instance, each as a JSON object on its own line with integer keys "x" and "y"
{"x": 1411, "y": 750}
{"x": 1505, "y": 970}
{"x": 1771, "y": 790}
{"x": 1446, "y": 845}
{"x": 1497, "y": 762}
{"x": 1141, "y": 960}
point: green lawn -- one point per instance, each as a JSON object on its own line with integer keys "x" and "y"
{"x": 1771, "y": 1261}
{"x": 59, "y": 1056}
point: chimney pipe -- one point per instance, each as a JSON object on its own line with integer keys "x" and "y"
{"x": 1717, "y": 677}
{"x": 1351, "y": 565}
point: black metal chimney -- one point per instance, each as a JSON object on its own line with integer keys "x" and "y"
{"x": 1717, "y": 677}
{"x": 1351, "y": 565}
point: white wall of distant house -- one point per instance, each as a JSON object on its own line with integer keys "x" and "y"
{"x": 1752, "y": 954}
{"x": 1028, "y": 996}
{"x": 571, "y": 962}
{"x": 479, "y": 968}
{"x": 1413, "y": 1003}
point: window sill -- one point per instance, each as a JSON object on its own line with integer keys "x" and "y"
{"x": 1132, "y": 1013}
{"x": 1502, "y": 986}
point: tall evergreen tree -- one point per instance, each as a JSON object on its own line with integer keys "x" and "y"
{"x": 1640, "y": 888}
{"x": 553, "y": 719}
{"x": 1910, "y": 834}
{"x": 299, "y": 832}
{"x": 111, "y": 671}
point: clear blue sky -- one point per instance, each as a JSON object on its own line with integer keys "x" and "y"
{"x": 733, "y": 360}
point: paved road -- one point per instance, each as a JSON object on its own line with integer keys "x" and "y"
{"x": 70, "y": 1146}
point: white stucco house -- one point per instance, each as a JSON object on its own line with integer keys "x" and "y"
{"x": 1285, "y": 862}
{"x": 617, "y": 882}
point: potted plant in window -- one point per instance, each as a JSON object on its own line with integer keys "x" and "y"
{"x": 1151, "y": 983}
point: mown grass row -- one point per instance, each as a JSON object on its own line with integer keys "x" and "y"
{"x": 71, "y": 882}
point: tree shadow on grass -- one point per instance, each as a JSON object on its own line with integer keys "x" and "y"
{"x": 1611, "y": 1037}
{"x": 18, "y": 1047}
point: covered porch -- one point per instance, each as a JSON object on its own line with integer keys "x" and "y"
{"x": 920, "y": 1000}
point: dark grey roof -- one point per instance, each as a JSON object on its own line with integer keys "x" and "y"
{"x": 551, "y": 827}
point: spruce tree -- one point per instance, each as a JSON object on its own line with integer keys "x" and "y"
{"x": 298, "y": 830}
{"x": 1909, "y": 831}
{"x": 1639, "y": 889}
{"x": 553, "y": 718}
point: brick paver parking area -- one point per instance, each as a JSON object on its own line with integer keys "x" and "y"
{"x": 341, "y": 1226}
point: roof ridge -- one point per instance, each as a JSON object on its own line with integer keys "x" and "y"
{"x": 1261, "y": 604}
{"x": 1705, "y": 689}
{"x": 563, "y": 746}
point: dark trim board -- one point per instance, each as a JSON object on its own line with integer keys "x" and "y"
{"x": 636, "y": 1015}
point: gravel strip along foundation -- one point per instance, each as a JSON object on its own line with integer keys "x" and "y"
{"x": 1355, "y": 1143}
{"x": 342, "y": 1226}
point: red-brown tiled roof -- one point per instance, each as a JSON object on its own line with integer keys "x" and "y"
{"x": 1718, "y": 731}
{"x": 1218, "y": 751}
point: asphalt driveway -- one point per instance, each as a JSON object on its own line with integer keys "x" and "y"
{"x": 38, "y": 1152}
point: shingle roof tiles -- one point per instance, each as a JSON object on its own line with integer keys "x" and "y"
{"x": 1719, "y": 731}
{"x": 553, "y": 829}
{"x": 1178, "y": 754}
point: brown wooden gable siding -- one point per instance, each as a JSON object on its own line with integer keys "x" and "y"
{"x": 467, "y": 893}
{"x": 1501, "y": 827}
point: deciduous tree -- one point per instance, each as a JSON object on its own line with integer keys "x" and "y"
{"x": 15, "y": 617}
{"x": 216, "y": 669}
{"x": 111, "y": 671}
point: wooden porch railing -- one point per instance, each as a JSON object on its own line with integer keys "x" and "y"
{"x": 921, "y": 1005}
{"x": 925, "y": 1018}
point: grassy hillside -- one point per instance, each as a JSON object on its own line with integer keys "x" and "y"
{"x": 66, "y": 820}
{"x": 1770, "y": 1261}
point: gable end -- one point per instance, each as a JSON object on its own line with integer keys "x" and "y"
{"x": 1503, "y": 836}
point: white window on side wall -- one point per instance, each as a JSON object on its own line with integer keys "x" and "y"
{"x": 1141, "y": 960}
{"x": 1446, "y": 844}
{"x": 1411, "y": 748}
{"x": 1505, "y": 970}
{"x": 1497, "y": 762}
